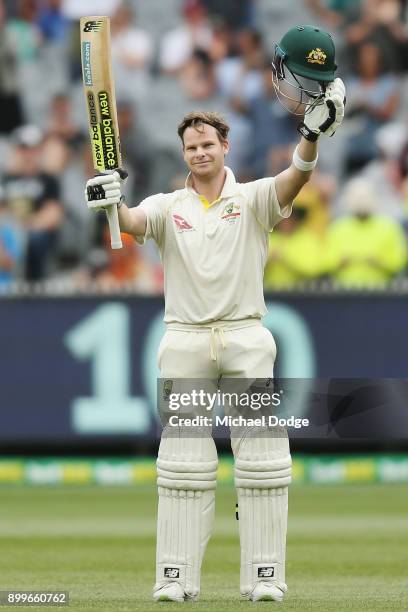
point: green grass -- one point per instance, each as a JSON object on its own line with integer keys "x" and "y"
{"x": 347, "y": 548}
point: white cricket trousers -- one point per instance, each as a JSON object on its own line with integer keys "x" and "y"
{"x": 187, "y": 466}
{"x": 236, "y": 349}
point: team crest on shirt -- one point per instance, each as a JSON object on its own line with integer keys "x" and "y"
{"x": 182, "y": 225}
{"x": 231, "y": 212}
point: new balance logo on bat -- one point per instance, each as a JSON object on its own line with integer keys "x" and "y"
{"x": 266, "y": 572}
{"x": 171, "y": 572}
{"x": 92, "y": 26}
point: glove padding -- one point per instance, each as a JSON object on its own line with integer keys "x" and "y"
{"x": 104, "y": 190}
{"x": 325, "y": 118}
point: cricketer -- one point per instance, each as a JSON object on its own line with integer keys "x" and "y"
{"x": 213, "y": 240}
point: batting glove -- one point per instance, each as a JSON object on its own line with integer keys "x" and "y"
{"x": 325, "y": 118}
{"x": 104, "y": 190}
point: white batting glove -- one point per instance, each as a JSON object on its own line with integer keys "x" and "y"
{"x": 104, "y": 190}
{"x": 325, "y": 118}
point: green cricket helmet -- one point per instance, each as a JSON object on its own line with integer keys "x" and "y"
{"x": 302, "y": 67}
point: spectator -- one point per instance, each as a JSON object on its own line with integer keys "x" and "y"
{"x": 316, "y": 197}
{"x": 79, "y": 232}
{"x": 240, "y": 77}
{"x": 238, "y": 14}
{"x": 197, "y": 76}
{"x": 33, "y": 75}
{"x": 333, "y": 13}
{"x": 10, "y": 7}
{"x": 403, "y": 172}
{"x": 294, "y": 252}
{"x": 381, "y": 23}
{"x": 60, "y": 122}
{"x": 33, "y": 197}
{"x": 273, "y": 131}
{"x": 62, "y": 136}
{"x": 337, "y": 16}
{"x": 52, "y": 22}
{"x": 178, "y": 45}
{"x": 222, "y": 42}
{"x": 132, "y": 50}
{"x": 10, "y": 248}
{"x": 239, "y": 81}
{"x": 136, "y": 150}
{"x": 24, "y": 31}
{"x": 372, "y": 99}
{"x": 55, "y": 155}
{"x": 10, "y": 106}
{"x": 384, "y": 172}
{"x": 126, "y": 268}
{"x": 364, "y": 249}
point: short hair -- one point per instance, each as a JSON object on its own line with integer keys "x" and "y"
{"x": 198, "y": 118}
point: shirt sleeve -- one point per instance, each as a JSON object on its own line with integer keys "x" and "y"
{"x": 265, "y": 204}
{"x": 155, "y": 209}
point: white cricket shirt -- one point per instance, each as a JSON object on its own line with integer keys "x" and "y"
{"x": 214, "y": 254}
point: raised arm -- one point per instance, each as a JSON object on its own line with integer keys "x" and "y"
{"x": 132, "y": 220}
{"x": 322, "y": 119}
{"x": 105, "y": 190}
{"x": 290, "y": 181}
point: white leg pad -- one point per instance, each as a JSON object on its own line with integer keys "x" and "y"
{"x": 187, "y": 471}
{"x": 262, "y": 476}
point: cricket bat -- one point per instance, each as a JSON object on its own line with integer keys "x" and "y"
{"x": 101, "y": 104}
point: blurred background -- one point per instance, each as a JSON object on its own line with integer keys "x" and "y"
{"x": 80, "y": 323}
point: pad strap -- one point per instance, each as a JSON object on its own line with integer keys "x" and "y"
{"x": 266, "y": 474}
{"x": 191, "y": 476}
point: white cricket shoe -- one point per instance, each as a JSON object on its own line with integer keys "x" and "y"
{"x": 267, "y": 591}
{"x": 170, "y": 592}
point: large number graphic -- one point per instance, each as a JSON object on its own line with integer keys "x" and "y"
{"x": 296, "y": 356}
{"x": 104, "y": 339}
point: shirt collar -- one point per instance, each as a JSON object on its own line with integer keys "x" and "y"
{"x": 229, "y": 189}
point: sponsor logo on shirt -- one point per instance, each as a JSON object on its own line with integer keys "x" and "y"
{"x": 181, "y": 224}
{"x": 231, "y": 212}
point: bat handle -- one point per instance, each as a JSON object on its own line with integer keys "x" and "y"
{"x": 113, "y": 220}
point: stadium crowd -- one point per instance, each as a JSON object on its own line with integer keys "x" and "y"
{"x": 350, "y": 221}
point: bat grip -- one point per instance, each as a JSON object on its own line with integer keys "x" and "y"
{"x": 113, "y": 220}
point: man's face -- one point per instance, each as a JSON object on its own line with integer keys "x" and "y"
{"x": 203, "y": 151}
